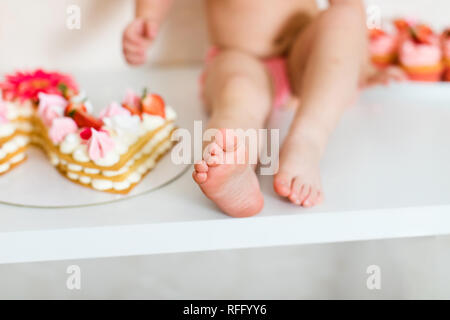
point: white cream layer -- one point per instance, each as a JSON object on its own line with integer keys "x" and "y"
{"x": 16, "y": 159}
{"x": 148, "y": 148}
{"x": 133, "y": 178}
{"x": 14, "y": 112}
{"x": 8, "y": 129}
{"x": 103, "y": 184}
{"x": 19, "y": 110}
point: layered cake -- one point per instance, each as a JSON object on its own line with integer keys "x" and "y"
{"x": 111, "y": 152}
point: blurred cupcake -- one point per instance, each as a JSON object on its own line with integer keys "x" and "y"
{"x": 383, "y": 48}
{"x": 446, "y": 53}
{"x": 420, "y": 54}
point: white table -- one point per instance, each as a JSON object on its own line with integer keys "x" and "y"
{"x": 386, "y": 174}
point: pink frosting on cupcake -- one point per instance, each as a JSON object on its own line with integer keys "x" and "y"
{"x": 414, "y": 54}
{"x": 51, "y": 106}
{"x": 60, "y": 128}
{"x": 114, "y": 109}
{"x": 99, "y": 144}
{"x": 383, "y": 45}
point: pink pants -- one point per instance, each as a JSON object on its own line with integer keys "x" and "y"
{"x": 277, "y": 70}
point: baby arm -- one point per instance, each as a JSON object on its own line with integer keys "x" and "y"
{"x": 140, "y": 33}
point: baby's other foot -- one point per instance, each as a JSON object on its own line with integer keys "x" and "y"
{"x": 299, "y": 178}
{"x": 231, "y": 185}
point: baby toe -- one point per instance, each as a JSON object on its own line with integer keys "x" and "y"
{"x": 212, "y": 148}
{"x": 199, "y": 177}
{"x": 213, "y": 161}
{"x": 213, "y": 154}
{"x": 304, "y": 193}
{"x": 202, "y": 166}
{"x": 312, "y": 199}
{"x": 282, "y": 184}
{"x": 296, "y": 195}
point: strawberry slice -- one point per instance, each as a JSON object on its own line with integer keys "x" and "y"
{"x": 85, "y": 120}
{"x": 82, "y": 118}
{"x": 401, "y": 24}
{"x": 154, "y": 105}
{"x": 133, "y": 109}
{"x": 422, "y": 34}
{"x": 73, "y": 107}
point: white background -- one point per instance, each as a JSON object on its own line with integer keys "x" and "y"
{"x": 33, "y": 33}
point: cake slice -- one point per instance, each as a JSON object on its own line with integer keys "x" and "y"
{"x": 110, "y": 153}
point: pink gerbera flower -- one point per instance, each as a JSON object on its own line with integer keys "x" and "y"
{"x": 27, "y": 85}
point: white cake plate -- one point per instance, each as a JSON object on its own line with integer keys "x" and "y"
{"x": 36, "y": 183}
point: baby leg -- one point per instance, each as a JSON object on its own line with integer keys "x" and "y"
{"x": 325, "y": 65}
{"x": 238, "y": 96}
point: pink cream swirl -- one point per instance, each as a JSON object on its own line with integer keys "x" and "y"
{"x": 99, "y": 143}
{"x": 414, "y": 54}
{"x": 60, "y": 128}
{"x": 51, "y": 106}
{"x": 114, "y": 109}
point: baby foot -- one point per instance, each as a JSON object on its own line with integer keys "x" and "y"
{"x": 231, "y": 185}
{"x": 298, "y": 178}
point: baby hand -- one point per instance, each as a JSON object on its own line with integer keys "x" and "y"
{"x": 137, "y": 37}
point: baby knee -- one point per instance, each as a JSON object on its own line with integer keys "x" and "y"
{"x": 241, "y": 90}
{"x": 238, "y": 83}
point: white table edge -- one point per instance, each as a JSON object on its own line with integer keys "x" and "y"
{"x": 222, "y": 234}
